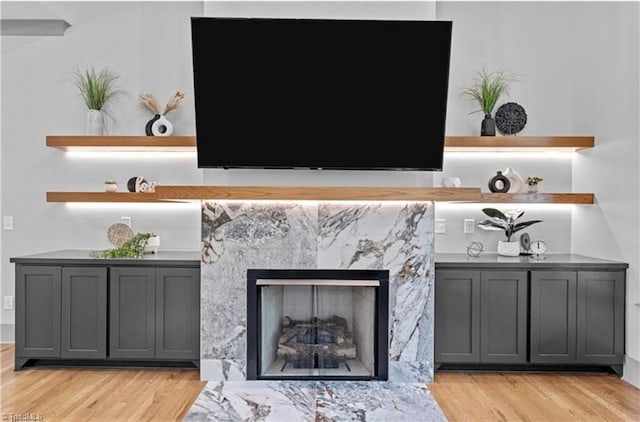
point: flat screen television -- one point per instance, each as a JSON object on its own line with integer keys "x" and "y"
{"x": 320, "y": 93}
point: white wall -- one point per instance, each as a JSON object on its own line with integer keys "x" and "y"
{"x": 608, "y": 51}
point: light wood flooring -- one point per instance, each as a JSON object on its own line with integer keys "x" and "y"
{"x": 105, "y": 394}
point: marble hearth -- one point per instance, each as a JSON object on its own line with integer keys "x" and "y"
{"x": 242, "y": 235}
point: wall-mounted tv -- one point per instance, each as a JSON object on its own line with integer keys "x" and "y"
{"x": 320, "y": 93}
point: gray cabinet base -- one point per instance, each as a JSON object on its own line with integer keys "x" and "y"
{"x": 22, "y": 363}
{"x": 531, "y": 368}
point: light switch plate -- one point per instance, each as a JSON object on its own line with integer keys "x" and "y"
{"x": 7, "y": 223}
{"x": 441, "y": 226}
{"x": 469, "y": 225}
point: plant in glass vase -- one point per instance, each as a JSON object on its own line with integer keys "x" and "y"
{"x": 97, "y": 88}
{"x": 487, "y": 89}
{"x": 508, "y": 222}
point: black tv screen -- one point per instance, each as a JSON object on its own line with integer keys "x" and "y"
{"x": 320, "y": 93}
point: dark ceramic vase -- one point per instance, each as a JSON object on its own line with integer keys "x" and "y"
{"x": 147, "y": 127}
{"x": 488, "y": 126}
{"x": 499, "y": 183}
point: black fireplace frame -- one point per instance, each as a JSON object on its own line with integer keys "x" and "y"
{"x": 381, "y": 329}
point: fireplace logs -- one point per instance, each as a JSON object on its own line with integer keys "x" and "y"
{"x": 317, "y": 343}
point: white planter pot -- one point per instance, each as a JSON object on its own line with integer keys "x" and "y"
{"x": 95, "y": 122}
{"x": 508, "y": 248}
{"x": 153, "y": 244}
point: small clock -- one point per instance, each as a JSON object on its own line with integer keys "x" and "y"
{"x": 538, "y": 247}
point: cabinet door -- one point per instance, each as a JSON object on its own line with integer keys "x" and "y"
{"x": 600, "y": 317}
{"x": 132, "y": 312}
{"x": 457, "y": 316}
{"x": 177, "y": 313}
{"x": 553, "y": 317}
{"x": 84, "y": 312}
{"x": 503, "y": 317}
{"x": 38, "y": 311}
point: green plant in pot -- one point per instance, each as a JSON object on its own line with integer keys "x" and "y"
{"x": 509, "y": 222}
{"x": 487, "y": 89}
{"x": 132, "y": 248}
{"x": 532, "y": 183}
{"x": 97, "y": 88}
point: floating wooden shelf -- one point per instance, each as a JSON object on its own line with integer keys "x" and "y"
{"x": 123, "y": 143}
{"x": 169, "y": 194}
{"x": 452, "y": 143}
{"x": 538, "y": 198}
{"x": 316, "y": 193}
{"x": 103, "y": 197}
{"x": 518, "y": 143}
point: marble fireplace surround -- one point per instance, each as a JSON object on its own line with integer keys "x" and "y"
{"x": 241, "y": 234}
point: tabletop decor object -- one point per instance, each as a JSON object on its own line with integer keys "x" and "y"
{"x": 487, "y": 89}
{"x": 510, "y": 118}
{"x": 140, "y": 184}
{"x": 532, "y": 183}
{"x": 508, "y": 222}
{"x": 110, "y": 186}
{"x": 98, "y": 88}
{"x": 516, "y": 182}
{"x": 499, "y": 183}
{"x": 132, "y": 248}
{"x": 159, "y": 125}
{"x": 474, "y": 249}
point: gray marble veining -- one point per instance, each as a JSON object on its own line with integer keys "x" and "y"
{"x": 394, "y": 236}
{"x": 285, "y": 401}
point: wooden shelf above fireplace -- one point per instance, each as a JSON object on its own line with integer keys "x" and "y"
{"x": 280, "y": 193}
{"x": 452, "y": 143}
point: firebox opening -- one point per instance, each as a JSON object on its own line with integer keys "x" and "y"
{"x": 310, "y": 324}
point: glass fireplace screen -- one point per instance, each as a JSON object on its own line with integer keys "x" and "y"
{"x": 317, "y": 328}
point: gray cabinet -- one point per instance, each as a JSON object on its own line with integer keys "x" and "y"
{"x": 556, "y": 311}
{"x": 480, "y": 316}
{"x": 155, "y": 313}
{"x": 177, "y": 313}
{"x": 553, "y": 316}
{"x": 132, "y": 318}
{"x": 577, "y": 317}
{"x": 503, "y": 317}
{"x": 457, "y": 316}
{"x": 70, "y": 307}
{"x": 600, "y": 317}
{"x": 84, "y": 313}
{"x": 37, "y": 312}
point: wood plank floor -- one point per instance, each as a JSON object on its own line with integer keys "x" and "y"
{"x": 158, "y": 395}
{"x": 535, "y": 397}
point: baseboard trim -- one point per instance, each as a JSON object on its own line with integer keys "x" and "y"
{"x": 7, "y": 333}
{"x": 631, "y": 371}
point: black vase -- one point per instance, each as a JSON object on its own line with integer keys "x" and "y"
{"x": 499, "y": 183}
{"x": 147, "y": 127}
{"x": 488, "y": 127}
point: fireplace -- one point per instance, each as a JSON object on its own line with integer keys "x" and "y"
{"x": 304, "y": 235}
{"x": 317, "y": 324}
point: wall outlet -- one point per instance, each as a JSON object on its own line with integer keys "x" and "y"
{"x": 8, "y": 303}
{"x": 469, "y": 225}
{"x": 126, "y": 220}
{"x": 7, "y": 222}
{"x": 441, "y": 226}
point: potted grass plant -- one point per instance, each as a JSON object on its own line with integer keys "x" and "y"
{"x": 97, "y": 88}
{"x": 487, "y": 89}
{"x": 509, "y": 222}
